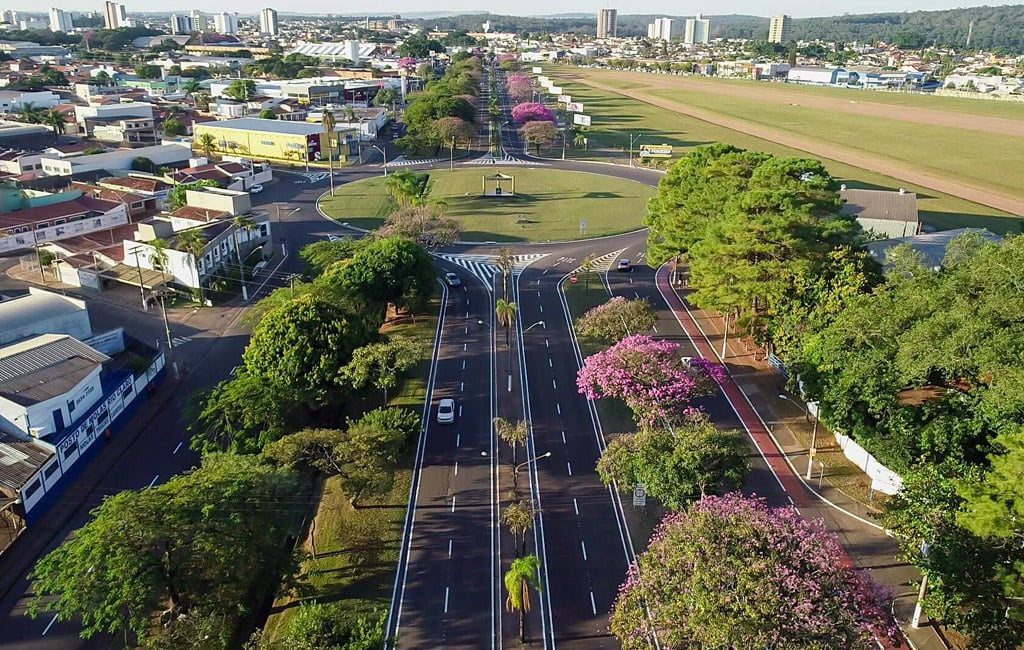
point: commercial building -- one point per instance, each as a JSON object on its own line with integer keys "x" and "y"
{"x": 273, "y": 139}
{"x": 268, "y": 22}
{"x": 780, "y": 29}
{"x": 12, "y": 100}
{"x": 60, "y": 21}
{"x": 225, "y": 23}
{"x": 181, "y": 24}
{"x": 820, "y": 76}
{"x": 698, "y": 30}
{"x": 164, "y": 155}
{"x": 114, "y": 15}
{"x": 31, "y": 217}
{"x": 15, "y": 135}
{"x": 607, "y": 23}
{"x": 881, "y": 212}
{"x": 660, "y": 29}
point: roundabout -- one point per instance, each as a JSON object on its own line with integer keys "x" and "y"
{"x": 546, "y": 204}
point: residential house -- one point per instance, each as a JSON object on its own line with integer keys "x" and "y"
{"x": 881, "y": 212}
{"x": 29, "y": 218}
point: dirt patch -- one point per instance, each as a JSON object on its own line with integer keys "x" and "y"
{"x": 819, "y": 148}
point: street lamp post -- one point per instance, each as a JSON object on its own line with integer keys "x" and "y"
{"x": 515, "y": 470}
{"x": 385, "y": 154}
{"x": 278, "y": 205}
{"x": 540, "y": 322}
{"x": 631, "y": 141}
{"x": 451, "y": 158}
{"x": 812, "y": 452}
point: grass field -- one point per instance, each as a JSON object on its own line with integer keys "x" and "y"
{"x": 357, "y": 548}
{"x": 548, "y": 204}
{"x": 622, "y": 116}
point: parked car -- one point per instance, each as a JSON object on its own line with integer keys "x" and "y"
{"x": 446, "y": 411}
{"x": 256, "y": 189}
{"x": 452, "y": 279}
{"x": 625, "y": 266}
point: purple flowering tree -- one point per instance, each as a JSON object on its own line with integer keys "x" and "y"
{"x": 732, "y": 572}
{"x": 407, "y": 63}
{"x": 520, "y": 87}
{"x": 650, "y": 376}
{"x": 531, "y": 112}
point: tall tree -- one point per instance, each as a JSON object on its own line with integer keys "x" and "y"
{"x": 506, "y": 313}
{"x": 513, "y": 434}
{"x": 616, "y": 319}
{"x": 520, "y": 578}
{"x": 505, "y": 260}
{"x": 732, "y": 572}
{"x": 394, "y": 271}
{"x": 54, "y": 119}
{"x": 330, "y": 131}
{"x": 192, "y": 243}
{"x": 199, "y": 543}
{"x": 382, "y": 364}
{"x": 207, "y": 144}
{"x": 518, "y": 518}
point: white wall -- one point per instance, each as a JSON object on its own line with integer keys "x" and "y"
{"x": 117, "y": 216}
{"x": 40, "y": 415}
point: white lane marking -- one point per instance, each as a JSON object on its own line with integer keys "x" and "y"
{"x": 568, "y": 467}
{"x": 637, "y": 295}
{"x": 631, "y": 280}
{"x": 464, "y": 347}
{"x": 791, "y": 502}
{"x": 559, "y": 407}
{"x": 177, "y": 448}
{"x": 460, "y": 410}
{"x": 446, "y": 600}
{"x": 584, "y": 547}
{"x": 466, "y": 332}
{"x": 467, "y": 313}
{"x": 545, "y": 271}
{"x": 655, "y": 328}
{"x": 550, "y": 364}
{"x": 458, "y": 438}
{"x": 576, "y": 506}
{"x": 449, "y": 549}
{"x": 541, "y": 308}
{"x": 543, "y": 325}
{"x": 554, "y": 385}
{"x": 456, "y": 468}
{"x": 593, "y": 606}
{"x": 453, "y": 503}
{"x": 462, "y": 386}
{"x": 538, "y": 294}
{"x": 463, "y": 364}
{"x": 153, "y": 482}
{"x": 510, "y": 383}
{"x": 49, "y": 625}
{"x": 546, "y": 344}
{"x": 563, "y": 437}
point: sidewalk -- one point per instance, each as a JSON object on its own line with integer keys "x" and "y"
{"x": 839, "y": 484}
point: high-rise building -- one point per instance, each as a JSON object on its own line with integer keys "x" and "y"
{"x": 660, "y": 29}
{"x": 60, "y": 21}
{"x": 268, "y": 22}
{"x": 607, "y": 20}
{"x": 181, "y": 24}
{"x": 225, "y": 23}
{"x": 780, "y": 29}
{"x": 198, "y": 20}
{"x": 9, "y": 16}
{"x": 698, "y": 30}
{"x": 114, "y": 15}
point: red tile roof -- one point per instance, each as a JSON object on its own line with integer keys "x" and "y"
{"x": 72, "y": 208}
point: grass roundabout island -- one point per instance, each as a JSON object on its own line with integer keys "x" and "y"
{"x": 548, "y": 204}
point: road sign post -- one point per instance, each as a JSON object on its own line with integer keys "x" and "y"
{"x": 639, "y": 496}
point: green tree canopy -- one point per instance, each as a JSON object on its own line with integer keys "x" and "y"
{"x": 616, "y": 319}
{"x": 199, "y": 543}
{"x": 394, "y": 271}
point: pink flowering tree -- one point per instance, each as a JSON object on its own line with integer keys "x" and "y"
{"x": 732, "y": 572}
{"x": 520, "y": 87}
{"x": 407, "y": 63}
{"x": 650, "y": 376}
{"x": 531, "y": 112}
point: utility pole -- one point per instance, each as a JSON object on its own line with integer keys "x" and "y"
{"x": 142, "y": 288}
{"x": 162, "y": 293}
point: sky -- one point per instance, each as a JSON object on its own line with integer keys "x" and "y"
{"x": 796, "y": 8}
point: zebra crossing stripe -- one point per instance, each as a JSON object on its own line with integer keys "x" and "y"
{"x": 484, "y": 267}
{"x": 605, "y": 260}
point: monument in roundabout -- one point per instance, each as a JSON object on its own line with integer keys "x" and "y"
{"x": 499, "y": 185}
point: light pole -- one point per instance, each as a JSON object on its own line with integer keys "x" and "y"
{"x": 279, "y": 224}
{"x": 814, "y": 434}
{"x": 451, "y": 158}
{"x": 563, "y": 144}
{"x": 540, "y": 322}
{"x": 631, "y": 141}
{"x": 385, "y": 154}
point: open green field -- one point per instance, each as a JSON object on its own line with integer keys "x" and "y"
{"x": 621, "y": 116}
{"x": 978, "y": 158}
{"x": 357, "y": 548}
{"x": 548, "y": 204}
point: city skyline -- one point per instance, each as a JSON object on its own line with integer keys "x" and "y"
{"x": 794, "y": 8}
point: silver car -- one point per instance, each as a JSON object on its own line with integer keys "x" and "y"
{"x": 446, "y": 411}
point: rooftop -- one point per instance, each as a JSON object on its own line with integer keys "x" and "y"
{"x": 879, "y": 204}
{"x": 932, "y": 246}
{"x": 20, "y": 460}
{"x": 37, "y": 306}
{"x": 80, "y": 206}
{"x": 256, "y": 124}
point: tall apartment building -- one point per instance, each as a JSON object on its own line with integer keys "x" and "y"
{"x": 181, "y": 24}
{"x": 114, "y": 15}
{"x": 198, "y": 20}
{"x": 60, "y": 21}
{"x": 9, "y": 16}
{"x": 780, "y": 29}
{"x": 698, "y": 30}
{"x": 268, "y": 22}
{"x": 225, "y": 23}
{"x": 660, "y": 29}
{"x": 607, "y": 20}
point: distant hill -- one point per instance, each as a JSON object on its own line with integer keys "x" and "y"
{"x": 994, "y": 27}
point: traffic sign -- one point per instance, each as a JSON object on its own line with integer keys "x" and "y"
{"x": 639, "y": 496}
{"x": 573, "y": 279}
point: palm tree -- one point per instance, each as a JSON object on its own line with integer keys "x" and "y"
{"x": 506, "y": 313}
{"x": 56, "y": 121}
{"x": 207, "y": 144}
{"x": 403, "y": 187}
{"x": 513, "y": 433}
{"x": 518, "y": 518}
{"x": 505, "y": 260}
{"x": 327, "y": 121}
{"x": 193, "y": 243}
{"x": 190, "y": 88}
{"x": 519, "y": 579}
{"x": 158, "y": 257}
{"x": 241, "y": 221}
{"x": 30, "y": 113}
{"x": 579, "y": 139}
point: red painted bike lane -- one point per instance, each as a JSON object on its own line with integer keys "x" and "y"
{"x": 751, "y": 420}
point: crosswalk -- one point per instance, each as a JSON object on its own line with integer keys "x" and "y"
{"x": 505, "y": 159}
{"x": 600, "y": 264}
{"x": 483, "y": 266}
{"x": 402, "y": 161}
{"x": 179, "y": 341}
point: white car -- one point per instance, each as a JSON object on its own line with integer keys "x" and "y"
{"x": 446, "y": 411}
{"x": 256, "y": 189}
{"x": 452, "y": 279}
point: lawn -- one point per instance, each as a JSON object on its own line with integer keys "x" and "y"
{"x": 357, "y": 548}
{"x": 548, "y": 205}
{"x": 622, "y": 116}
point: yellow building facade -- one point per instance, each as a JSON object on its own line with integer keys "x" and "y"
{"x": 272, "y": 139}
